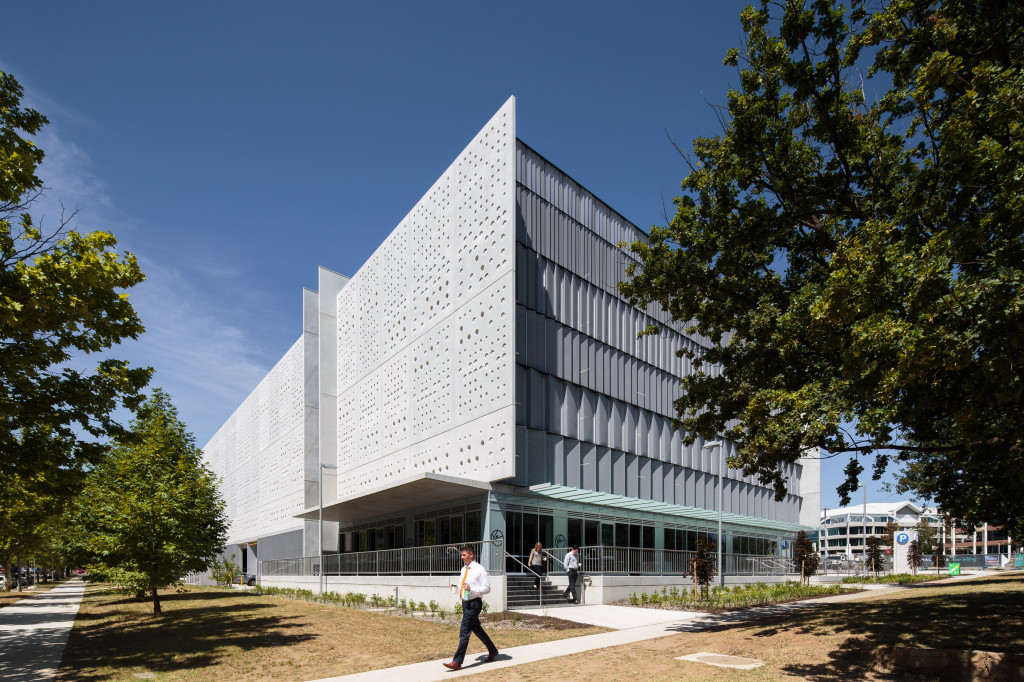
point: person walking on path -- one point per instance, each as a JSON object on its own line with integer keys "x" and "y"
{"x": 572, "y": 568}
{"x": 536, "y": 563}
{"x": 473, "y": 585}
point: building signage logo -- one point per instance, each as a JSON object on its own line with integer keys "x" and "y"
{"x": 902, "y": 538}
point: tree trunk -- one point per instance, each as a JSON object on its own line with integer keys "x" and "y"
{"x": 156, "y": 602}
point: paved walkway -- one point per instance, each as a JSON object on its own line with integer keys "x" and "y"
{"x": 634, "y": 625}
{"x": 614, "y": 617}
{"x": 33, "y": 632}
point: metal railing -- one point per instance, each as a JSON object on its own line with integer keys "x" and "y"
{"x": 428, "y": 560}
{"x": 843, "y": 565}
{"x": 606, "y": 560}
{"x": 594, "y": 560}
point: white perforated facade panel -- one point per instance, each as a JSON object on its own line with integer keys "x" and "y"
{"x": 258, "y": 454}
{"x": 426, "y": 331}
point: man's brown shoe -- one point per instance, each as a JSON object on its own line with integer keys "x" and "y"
{"x": 452, "y": 666}
{"x": 491, "y": 657}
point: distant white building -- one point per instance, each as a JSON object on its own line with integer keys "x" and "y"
{"x": 844, "y": 531}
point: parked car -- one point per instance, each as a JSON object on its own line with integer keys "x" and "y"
{"x": 3, "y": 582}
{"x": 249, "y": 579}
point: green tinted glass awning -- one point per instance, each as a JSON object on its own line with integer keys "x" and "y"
{"x": 567, "y": 494}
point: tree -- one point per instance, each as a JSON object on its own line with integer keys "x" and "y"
{"x": 914, "y": 556}
{"x": 805, "y": 556}
{"x": 224, "y": 570}
{"x": 704, "y": 562}
{"x": 152, "y": 508}
{"x": 853, "y": 258}
{"x": 873, "y": 555}
{"x": 61, "y": 297}
{"x": 926, "y": 534}
{"x": 891, "y": 528}
{"x": 31, "y": 502}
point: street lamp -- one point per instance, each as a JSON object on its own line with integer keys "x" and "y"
{"x": 320, "y": 525}
{"x": 864, "y": 529}
{"x": 721, "y": 465}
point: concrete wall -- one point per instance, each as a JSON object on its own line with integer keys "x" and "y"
{"x": 412, "y": 587}
{"x": 258, "y": 454}
{"x": 425, "y": 367}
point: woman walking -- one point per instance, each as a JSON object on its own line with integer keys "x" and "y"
{"x": 536, "y": 563}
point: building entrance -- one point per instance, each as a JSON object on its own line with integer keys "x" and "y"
{"x": 522, "y": 531}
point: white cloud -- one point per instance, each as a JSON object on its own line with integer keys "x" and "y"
{"x": 204, "y": 361}
{"x": 187, "y": 342}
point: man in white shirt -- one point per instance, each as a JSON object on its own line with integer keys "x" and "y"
{"x": 572, "y": 567}
{"x": 473, "y": 584}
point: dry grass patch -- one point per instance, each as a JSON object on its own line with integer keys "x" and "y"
{"x": 218, "y": 634}
{"x": 827, "y": 644}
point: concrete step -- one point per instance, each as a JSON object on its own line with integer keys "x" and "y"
{"x": 521, "y": 595}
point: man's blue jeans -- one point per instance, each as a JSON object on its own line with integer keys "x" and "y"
{"x": 471, "y": 625}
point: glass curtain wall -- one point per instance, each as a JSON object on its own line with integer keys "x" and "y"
{"x": 522, "y": 531}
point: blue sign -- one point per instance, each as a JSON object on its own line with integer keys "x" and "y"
{"x": 785, "y": 544}
{"x": 902, "y": 538}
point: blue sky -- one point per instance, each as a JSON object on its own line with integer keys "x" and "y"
{"x": 234, "y": 147}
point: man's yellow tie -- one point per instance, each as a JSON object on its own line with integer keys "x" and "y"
{"x": 462, "y": 587}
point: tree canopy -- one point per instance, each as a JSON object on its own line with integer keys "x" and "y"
{"x": 61, "y": 298}
{"x": 151, "y": 510}
{"x": 852, "y": 246}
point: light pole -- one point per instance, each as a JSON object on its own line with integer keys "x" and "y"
{"x": 864, "y": 530}
{"x": 823, "y": 538}
{"x": 721, "y": 465}
{"x": 320, "y": 526}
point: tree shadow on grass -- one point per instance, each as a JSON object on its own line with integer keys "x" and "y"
{"x": 986, "y": 614}
{"x": 181, "y": 638}
{"x": 171, "y": 596}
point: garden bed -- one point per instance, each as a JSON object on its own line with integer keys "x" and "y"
{"x": 720, "y": 599}
{"x": 427, "y": 611}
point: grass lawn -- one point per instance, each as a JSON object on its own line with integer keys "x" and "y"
{"x": 13, "y": 596}
{"x": 831, "y": 643}
{"x": 219, "y": 634}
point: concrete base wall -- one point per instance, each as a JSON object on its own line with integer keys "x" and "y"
{"x": 596, "y": 589}
{"x": 419, "y": 588}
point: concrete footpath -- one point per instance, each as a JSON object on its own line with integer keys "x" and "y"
{"x": 631, "y": 625}
{"x": 34, "y": 631}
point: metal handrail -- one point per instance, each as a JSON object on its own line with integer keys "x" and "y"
{"x": 554, "y": 558}
{"x": 541, "y": 590}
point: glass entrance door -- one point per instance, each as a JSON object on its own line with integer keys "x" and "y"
{"x": 522, "y": 531}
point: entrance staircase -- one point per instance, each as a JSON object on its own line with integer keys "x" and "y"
{"x": 521, "y": 594}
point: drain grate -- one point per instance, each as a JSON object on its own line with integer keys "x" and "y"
{"x": 722, "y": 661}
